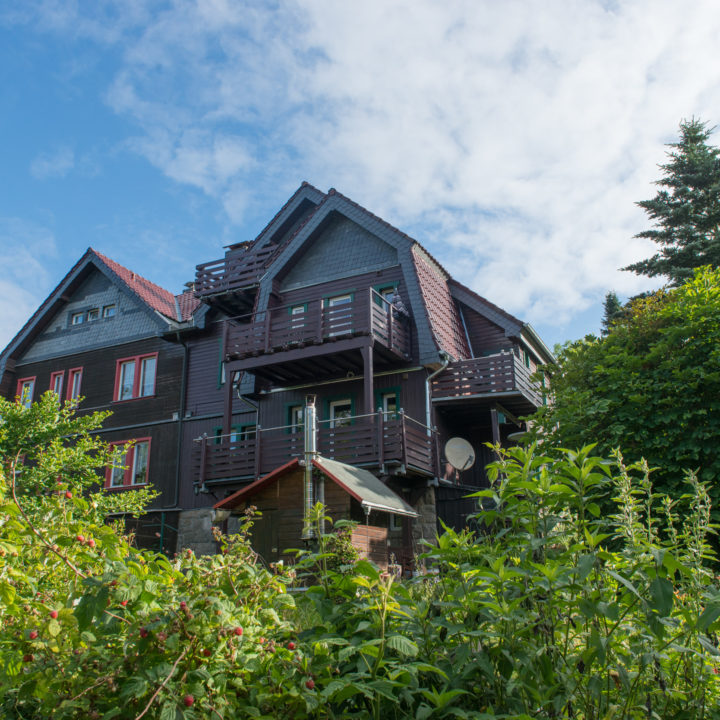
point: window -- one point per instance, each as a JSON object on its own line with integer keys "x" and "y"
{"x": 77, "y": 318}
{"x": 93, "y": 314}
{"x": 74, "y": 381}
{"x": 238, "y": 433}
{"x": 135, "y": 377}
{"x": 221, "y": 365}
{"x": 56, "y": 382}
{"x": 385, "y": 292}
{"x": 388, "y": 400}
{"x": 25, "y": 390}
{"x": 340, "y": 412}
{"x": 338, "y": 314}
{"x": 396, "y": 522}
{"x": 295, "y": 418}
{"x": 133, "y": 460}
{"x": 526, "y": 358}
{"x": 109, "y": 311}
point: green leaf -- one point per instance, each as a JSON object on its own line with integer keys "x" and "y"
{"x": 708, "y": 616}
{"x": 402, "y": 645}
{"x": 661, "y": 592}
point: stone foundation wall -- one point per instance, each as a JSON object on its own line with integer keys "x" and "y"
{"x": 195, "y": 531}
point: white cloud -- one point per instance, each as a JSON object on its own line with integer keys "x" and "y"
{"x": 56, "y": 164}
{"x": 24, "y": 247}
{"x": 511, "y": 138}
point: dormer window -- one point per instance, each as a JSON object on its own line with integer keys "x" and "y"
{"x": 93, "y": 314}
{"x": 109, "y": 311}
{"x": 77, "y": 318}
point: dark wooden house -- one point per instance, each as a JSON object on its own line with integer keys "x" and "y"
{"x": 109, "y": 336}
{"x": 331, "y": 300}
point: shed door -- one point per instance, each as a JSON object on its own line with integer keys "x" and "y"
{"x": 264, "y": 536}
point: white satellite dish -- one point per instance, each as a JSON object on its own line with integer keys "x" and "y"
{"x": 459, "y": 453}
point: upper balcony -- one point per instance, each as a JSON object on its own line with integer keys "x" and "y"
{"x": 380, "y": 440}
{"x": 483, "y": 381}
{"x": 297, "y": 340}
{"x": 232, "y": 280}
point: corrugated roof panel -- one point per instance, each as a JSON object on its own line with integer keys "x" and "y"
{"x": 368, "y": 490}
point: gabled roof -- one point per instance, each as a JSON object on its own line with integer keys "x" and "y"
{"x": 359, "y": 483}
{"x": 148, "y": 292}
{"x": 162, "y": 304}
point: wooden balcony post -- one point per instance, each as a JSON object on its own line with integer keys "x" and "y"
{"x": 381, "y": 436}
{"x": 227, "y": 409}
{"x": 258, "y": 446}
{"x": 367, "y": 356}
{"x": 203, "y": 458}
{"x": 390, "y": 325}
{"x": 267, "y": 330}
{"x": 437, "y": 452}
{"x": 403, "y": 436}
{"x": 320, "y": 322}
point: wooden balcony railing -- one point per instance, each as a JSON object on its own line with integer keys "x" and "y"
{"x": 503, "y": 372}
{"x": 231, "y": 273}
{"x": 375, "y": 440}
{"x": 290, "y": 326}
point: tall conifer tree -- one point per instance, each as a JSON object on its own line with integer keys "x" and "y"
{"x": 686, "y": 210}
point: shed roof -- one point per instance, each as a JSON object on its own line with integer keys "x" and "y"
{"x": 361, "y": 484}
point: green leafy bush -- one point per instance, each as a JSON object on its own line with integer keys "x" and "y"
{"x": 556, "y": 610}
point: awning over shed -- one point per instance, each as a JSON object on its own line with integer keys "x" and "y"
{"x": 370, "y": 492}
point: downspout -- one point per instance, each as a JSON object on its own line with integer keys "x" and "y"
{"x": 446, "y": 361}
{"x": 181, "y": 416}
{"x": 309, "y": 421}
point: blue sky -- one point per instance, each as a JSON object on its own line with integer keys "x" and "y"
{"x": 512, "y": 139}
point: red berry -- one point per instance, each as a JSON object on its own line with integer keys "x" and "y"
{"x": 91, "y": 543}
{"x": 188, "y": 700}
{"x": 68, "y": 494}
{"x": 238, "y": 630}
{"x": 143, "y": 632}
{"x": 123, "y": 602}
{"x": 28, "y": 658}
{"x": 261, "y": 640}
{"x": 291, "y": 645}
{"x": 207, "y": 652}
{"x": 183, "y": 605}
{"x": 80, "y": 538}
{"x": 33, "y": 634}
{"x": 310, "y": 684}
{"x": 53, "y": 614}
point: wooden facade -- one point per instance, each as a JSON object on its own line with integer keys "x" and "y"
{"x": 330, "y": 301}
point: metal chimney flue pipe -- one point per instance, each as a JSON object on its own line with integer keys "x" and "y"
{"x": 310, "y": 434}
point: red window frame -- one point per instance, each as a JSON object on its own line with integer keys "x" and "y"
{"x": 18, "y": 392}
{"x": 129, "y": 464}
{"x": 72, "y": 373}
{"x": 137, "y": 360}
{"x": 53, "y": 376}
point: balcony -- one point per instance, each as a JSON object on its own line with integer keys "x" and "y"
{"x": 485, "y": 380}
{"x": 298, "y": 335}
{"x": 232, "y": 273}
{"x": 379, "y": 440}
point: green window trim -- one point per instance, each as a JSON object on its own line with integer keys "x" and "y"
{"x": 236, "y": 428}
{"x": 335, "y": 398}
{"x": 384, "y": 286}
{"x": 381, "y": 392}
{"x": 330, "y": 296}
{"x": 288, "y": 415}
{"x": 304, "y": 306}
